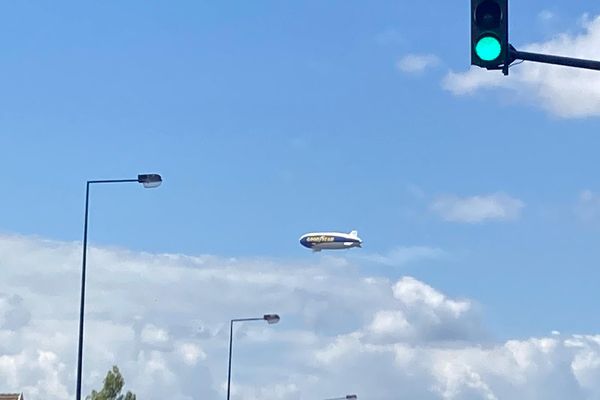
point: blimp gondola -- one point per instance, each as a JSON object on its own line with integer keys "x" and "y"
{"x": 317, "y": 241}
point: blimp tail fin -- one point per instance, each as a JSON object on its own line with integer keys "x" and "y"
{"x": 354, "y": 233}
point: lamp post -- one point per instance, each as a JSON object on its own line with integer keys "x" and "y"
{"x": 148, "y": 181}
{"x": 348, "y": 397}
{"x": 270, "y": 318}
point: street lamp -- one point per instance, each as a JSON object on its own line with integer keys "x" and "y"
{"x": 348, "y": 397}
{"x": 148, "y": 181}
{"x": 270, "y": 318}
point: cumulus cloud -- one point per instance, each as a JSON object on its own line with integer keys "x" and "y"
{"x": 564, "y": 92}
{"x": 191, "y": 353}
{"x": 423, "y": 314}
{"x": 163, "y": 319}
{"x": 417, "y": 63}
{"x": 536, "y": 368}
{"x": 476, "y": 209}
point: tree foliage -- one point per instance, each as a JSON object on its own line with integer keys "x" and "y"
{"x": 113, "y": 384}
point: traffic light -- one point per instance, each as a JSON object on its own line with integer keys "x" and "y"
{"x": 489, "y": 33}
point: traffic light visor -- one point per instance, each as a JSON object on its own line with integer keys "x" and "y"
{"x": 488, "y": 48}
{"x": 488, "y": 15}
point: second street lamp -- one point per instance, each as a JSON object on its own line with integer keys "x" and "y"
{"x": 148, "y": 181}
{"x": 348, "y": 397}
{"x": 270, "y": 318}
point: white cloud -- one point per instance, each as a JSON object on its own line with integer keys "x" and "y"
{"x": 565, "y": 92}
{"x": 423, "y": 314}
{"x": 529, "y": 369}
{"x": 417, "y": 63}
{"x": 475, "y": 209}
{"x": 164, "y": 320}
{"x": 411, "y": 292}
{"x": 191, "y": 353}
{"x": 390, "y": 323}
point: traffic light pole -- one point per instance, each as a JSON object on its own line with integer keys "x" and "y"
{"x": 515, "y": 54}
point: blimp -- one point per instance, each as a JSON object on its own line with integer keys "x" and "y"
{"x": 317, "y": 241}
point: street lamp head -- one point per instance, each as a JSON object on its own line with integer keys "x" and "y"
{"x": 271, "y": 318}
{"x": 150, "y": 180}
{"x": 351, "y": 397}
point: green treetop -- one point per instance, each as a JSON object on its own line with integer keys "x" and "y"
{"x": 113, "y": 384}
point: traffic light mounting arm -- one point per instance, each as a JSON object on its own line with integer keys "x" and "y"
{"x": 515, "y": 54}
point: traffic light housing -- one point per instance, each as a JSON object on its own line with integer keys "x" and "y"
{"x": 489, "y": 34}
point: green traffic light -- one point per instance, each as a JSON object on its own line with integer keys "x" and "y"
{"x": 488, "y": 48}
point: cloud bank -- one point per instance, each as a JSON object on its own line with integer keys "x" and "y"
{"x": 163, "y": 318}
{"x": 564, "y": 92}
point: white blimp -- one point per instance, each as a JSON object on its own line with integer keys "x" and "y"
{"x": 317, "y": 241}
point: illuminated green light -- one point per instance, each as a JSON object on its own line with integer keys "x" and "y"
{"x": 488, "y": 48}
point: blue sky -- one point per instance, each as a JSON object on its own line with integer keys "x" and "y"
{"x": 268, "y": 119}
